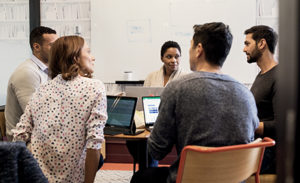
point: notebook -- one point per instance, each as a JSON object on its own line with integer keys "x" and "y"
{"x": 120, "y": 111}
{"x": 150, "y": 105}
{"x": 140, "y": 91}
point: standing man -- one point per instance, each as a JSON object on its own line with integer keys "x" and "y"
{"x": 205, "y": 108}
{"x": 28, "y": 76}
{"x": 259, "y": 47}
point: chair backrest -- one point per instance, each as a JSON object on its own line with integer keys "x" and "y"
{"x": 2, "y": 124}
{"x": 227, "y": 164}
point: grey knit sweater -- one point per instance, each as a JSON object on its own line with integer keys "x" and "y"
{"x": 17, "y": 164}
{"x": 204, "y": 109}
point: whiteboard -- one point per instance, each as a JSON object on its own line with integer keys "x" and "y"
{"x": 127, "y": 35}
{"x": 13, "y": 53}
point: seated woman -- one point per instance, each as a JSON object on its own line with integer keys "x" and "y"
{"x": 65, "y": 118}
{"x": 170, "y": 55}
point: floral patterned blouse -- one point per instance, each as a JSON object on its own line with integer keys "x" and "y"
{"x": 61, "y": 121}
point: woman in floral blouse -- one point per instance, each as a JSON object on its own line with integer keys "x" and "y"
{"x": 65, "y": 118}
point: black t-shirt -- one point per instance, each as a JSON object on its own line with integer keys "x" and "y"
{"x": 264, "y": 90}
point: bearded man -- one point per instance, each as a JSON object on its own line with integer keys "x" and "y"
{"x": 259, "y": 47}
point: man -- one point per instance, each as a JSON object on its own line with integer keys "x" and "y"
{"x": 259, "y": 47}
{"x": 204, "y": 108}
{"x": 28, "y": 76}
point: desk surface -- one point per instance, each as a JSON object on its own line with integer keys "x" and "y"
{"x": 141, "y": 136}
{"x": 140, "y": 82}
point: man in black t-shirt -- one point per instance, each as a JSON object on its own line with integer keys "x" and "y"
{"x": 259, "y": 47}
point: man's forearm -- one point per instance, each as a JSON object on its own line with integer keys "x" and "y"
{"x": 260, "y": 130}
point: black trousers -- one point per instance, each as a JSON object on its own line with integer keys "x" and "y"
{"x": 137, "y": 149}
{"x": 101, "y": 161}
{"x": 268, "y": 165}
{"x": 151, "y": 175}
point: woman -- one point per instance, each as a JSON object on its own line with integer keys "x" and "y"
{"x": 65, "y": 118}
{"x": 170, "y": 55}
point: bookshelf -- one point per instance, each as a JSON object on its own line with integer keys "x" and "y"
{"x": 67, "y": 17}
{"x": 267, "y": 14}
{"x": 14, "y": 20}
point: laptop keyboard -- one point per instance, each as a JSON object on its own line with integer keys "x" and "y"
{"x": 114, "y": 131}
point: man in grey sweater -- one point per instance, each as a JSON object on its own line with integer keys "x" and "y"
{"x": 28, "y": 76}
{"x": 205, "y": 108}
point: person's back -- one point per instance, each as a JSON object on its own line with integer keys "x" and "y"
{"x": 222, "y": 105}
{"x": 64, "y": 108}
{"x": 28, "y": 76}
{"x": 211, "y": 110}
{"x": 19, "y": 90}
{"x": 65, "y": 117}
{"x": 205, "y": 108}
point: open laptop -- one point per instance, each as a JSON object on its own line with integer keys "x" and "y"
{"x": 140, "y": 91}
{"x": 120, "y": 111}
{"x": 150, "y": 105}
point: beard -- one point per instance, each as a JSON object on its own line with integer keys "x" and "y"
{"x": 254, "y": 57}
{"x": 44, "y": 56}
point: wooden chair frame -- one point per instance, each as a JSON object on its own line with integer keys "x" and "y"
{"x": 230, "y": 164}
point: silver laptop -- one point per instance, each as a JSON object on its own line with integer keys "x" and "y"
{"x": 140, "y": 91}
{"x": 150, "y": 105}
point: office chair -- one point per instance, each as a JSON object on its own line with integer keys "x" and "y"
{"x": 227, "y": 164}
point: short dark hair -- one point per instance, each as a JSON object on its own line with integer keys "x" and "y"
{"x": 36, "y": 35}
{"x": 167, "y": 45}
{"x": 63, "y": 53}
{"x": 264, "y": 32}
{"x": 216, "y": 40}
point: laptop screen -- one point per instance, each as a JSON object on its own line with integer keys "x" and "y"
{"x": 120, "y": 111}
{"x": 150, "y": 105}
{"x": 140, "y": 91}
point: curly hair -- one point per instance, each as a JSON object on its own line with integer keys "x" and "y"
{"x": 167, "y": 45}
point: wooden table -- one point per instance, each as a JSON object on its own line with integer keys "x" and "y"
{"x": 143, "y": 136}
{"x": 141, "y": 139}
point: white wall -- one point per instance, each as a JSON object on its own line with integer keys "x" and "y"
{"x": 14, "y": 44}
{"x": 12, "y": 54}
{"x": 128, "y": 34}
